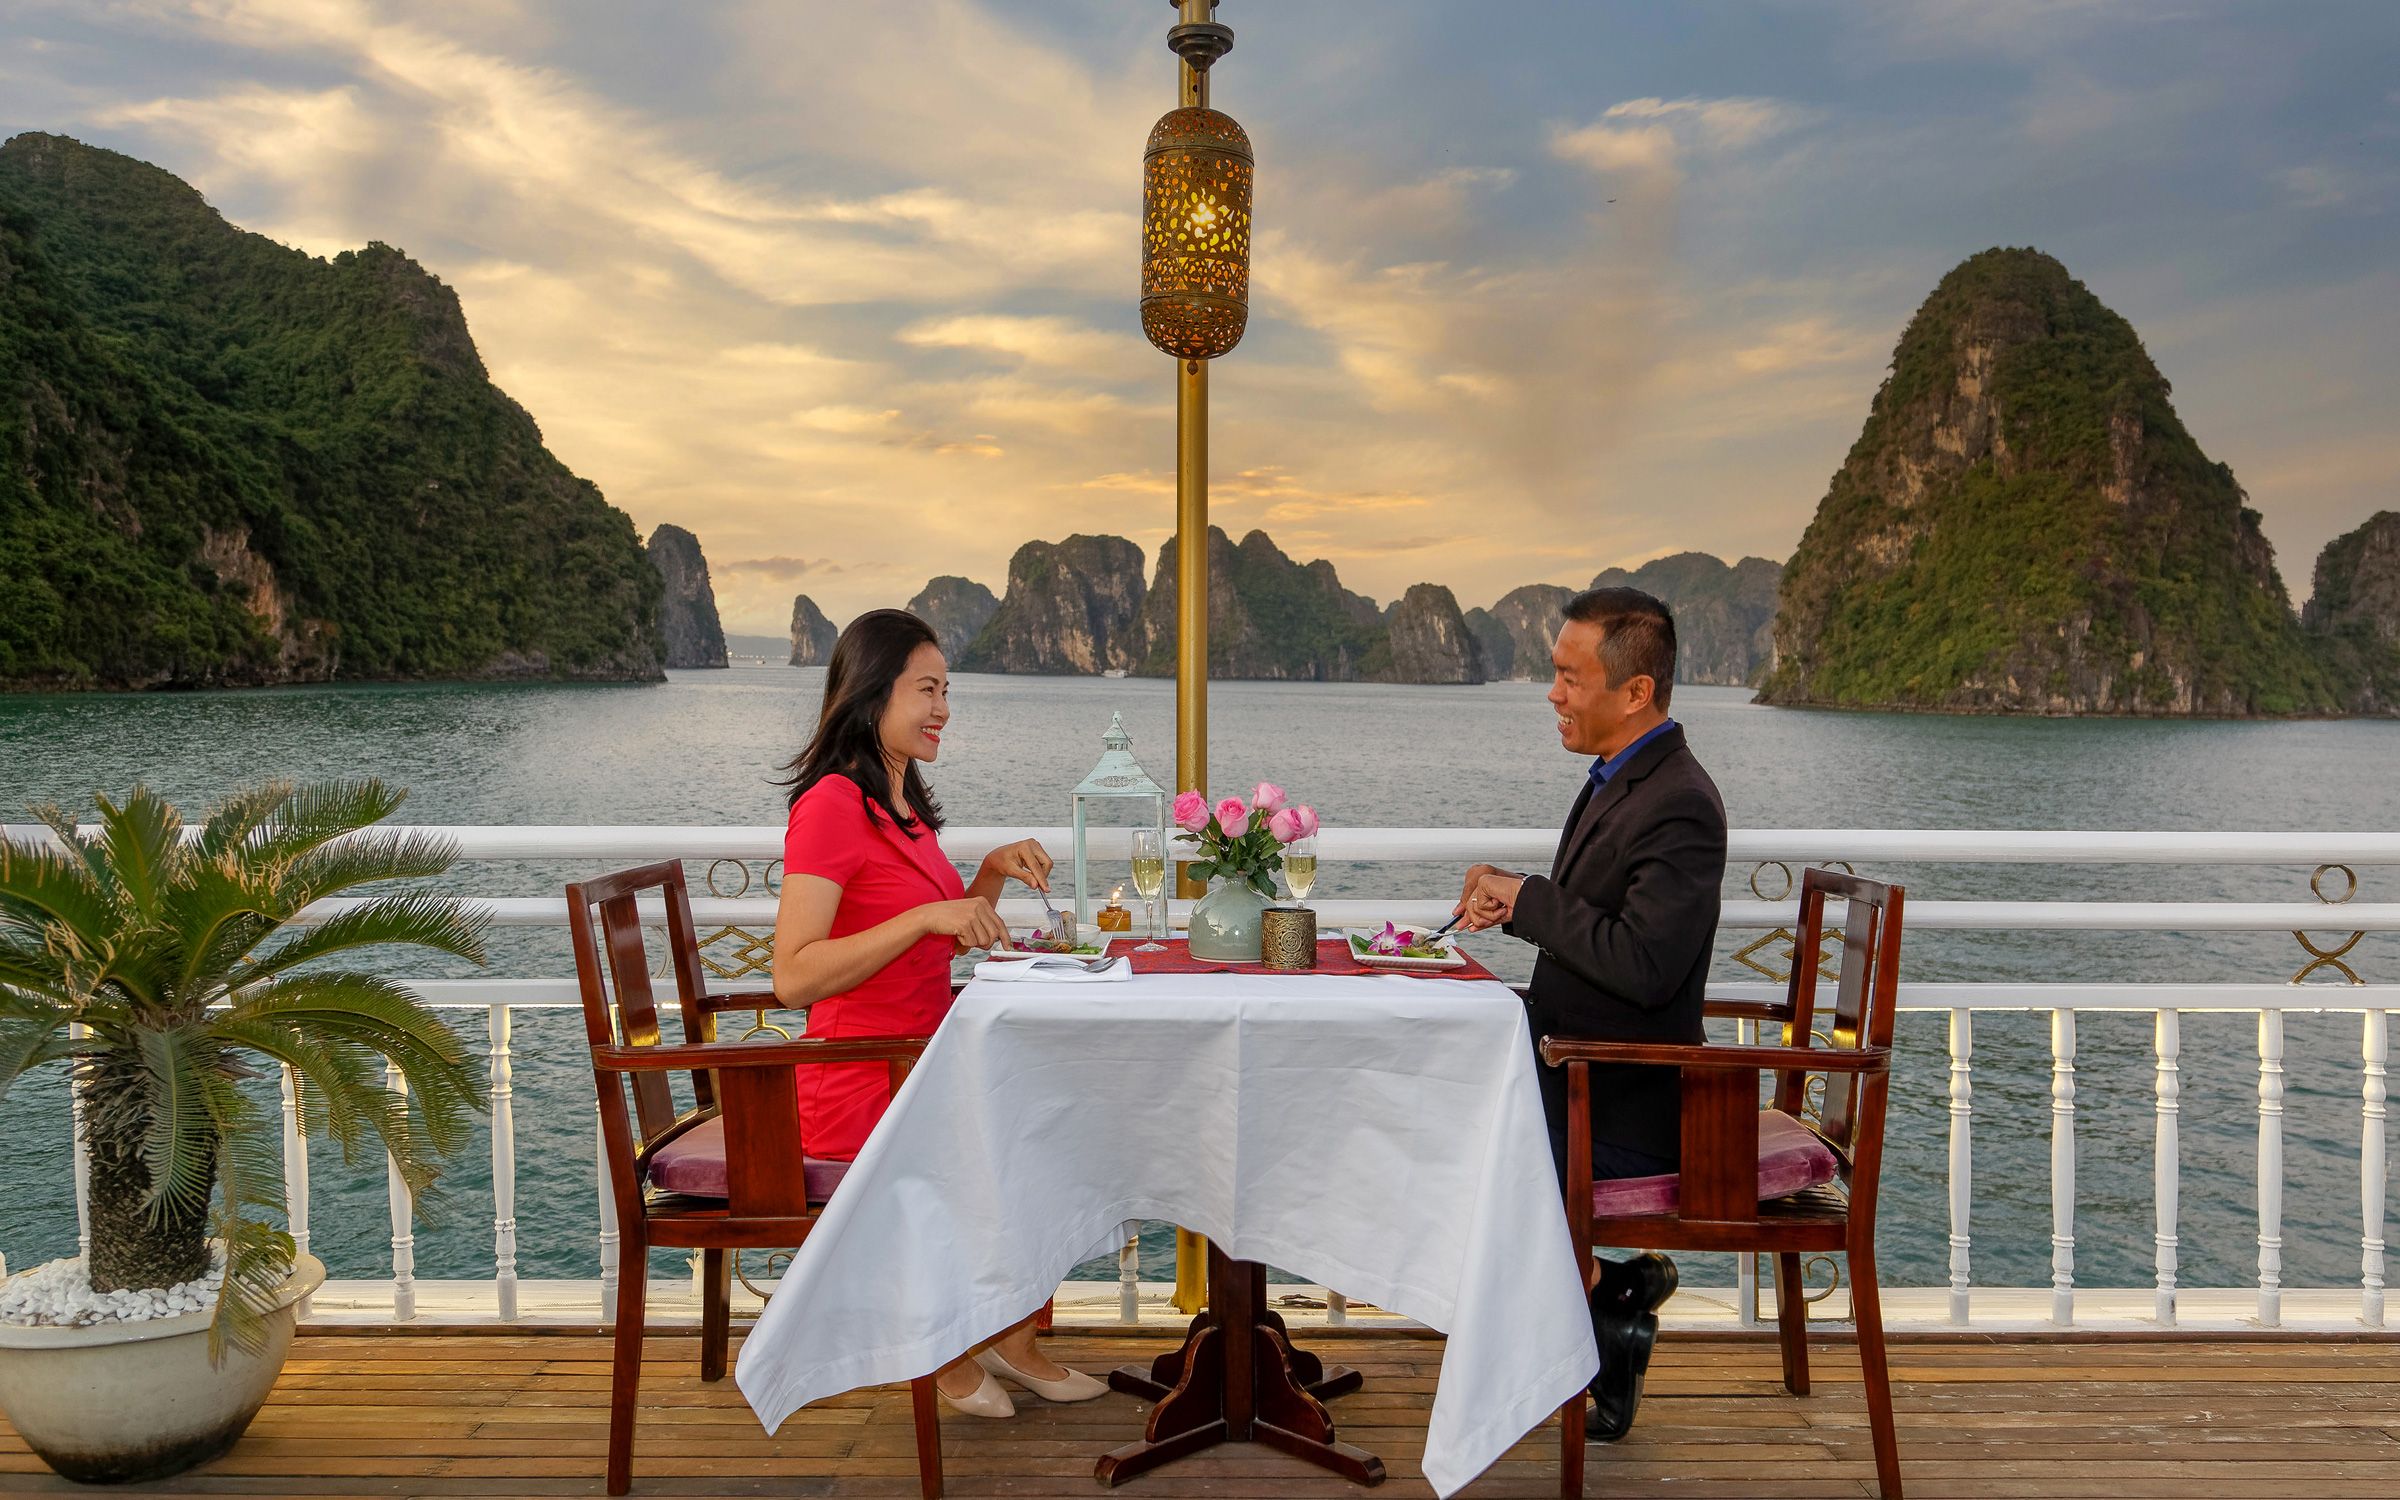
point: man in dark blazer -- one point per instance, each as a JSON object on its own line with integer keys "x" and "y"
{"x": 1626, "y": 922}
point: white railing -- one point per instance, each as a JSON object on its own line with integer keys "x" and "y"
{"x": 2062, "y": 1001}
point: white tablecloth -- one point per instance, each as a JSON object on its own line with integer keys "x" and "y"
{"x": 1377, "y": 1134}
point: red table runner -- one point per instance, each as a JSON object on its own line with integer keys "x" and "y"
{"x": 1333, "y": 957}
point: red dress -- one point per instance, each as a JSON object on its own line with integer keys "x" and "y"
{"x": 836, "y": 834}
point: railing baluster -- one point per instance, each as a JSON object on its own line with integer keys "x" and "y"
{"x": 295, "y": 1174}
{"x": 1962, "y": 1160}
{"x": 77, "y": 1031}
{"x": 608, "y": 1230}
{"x": 504, "y": 1166}
{"x": 2062, "y": 1168}
{"x": 1745, "y": 1264}
{"x": 404, "y": 1219}
{"x": 2376, "y": 1049}
{"x": 2167, "y": 1169}
{"x": 2270, "y": 1168}
{"x": 1129, "y": 1280}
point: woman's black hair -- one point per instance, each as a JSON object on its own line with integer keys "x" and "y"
{"x": 867, "y": 662}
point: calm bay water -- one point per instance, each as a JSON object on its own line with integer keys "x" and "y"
{"x": 701, "y": 748}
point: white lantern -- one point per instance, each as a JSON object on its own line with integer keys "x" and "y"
{"x": 1117, "y": 776}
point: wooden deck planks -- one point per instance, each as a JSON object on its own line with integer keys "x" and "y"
{"x": 435, "y": 1415}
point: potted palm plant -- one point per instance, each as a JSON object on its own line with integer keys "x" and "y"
{"x": 167, "y": 966}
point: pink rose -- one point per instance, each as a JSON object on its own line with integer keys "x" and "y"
{"x": 1284, "y": 823}
{"x": 1233, "y": 817}
{"x": 1308, "y": 821}
{"x": 1267, "y": 798}
{"x": 1191, "y": 812}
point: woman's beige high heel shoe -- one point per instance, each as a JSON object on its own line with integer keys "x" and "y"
{"x": 986, "y": 1400}
{"x": 1076, "y": 1387}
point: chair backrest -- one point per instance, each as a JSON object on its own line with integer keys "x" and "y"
{"x": 633, "y": 1018}
{"x": 1866, "y": 996}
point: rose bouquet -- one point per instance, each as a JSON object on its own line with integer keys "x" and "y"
{"x": 1243, "y": 840}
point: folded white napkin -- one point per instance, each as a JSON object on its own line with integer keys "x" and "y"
{"x": 1052, "y": 968}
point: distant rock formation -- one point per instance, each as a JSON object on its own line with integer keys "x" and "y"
{"x": 1269, "y": 617}
{"x": 228, "y": 462}
{"x": 2354, "y": 611}
{"x": 1072, "y": 607}
{"x": 813, "y": 635}
{"x": 2025, "y": 527}
{"x": 1530, "y": 617}
{"x": 687, "y": 615}
{"x": 1430, "y": 639}
{"x": 1724, "y": 617}
{"x": 957, "y": 609}
{"x": 1499, "y": 647}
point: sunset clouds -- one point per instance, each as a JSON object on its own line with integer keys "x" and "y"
{"x": 848, "y": 289}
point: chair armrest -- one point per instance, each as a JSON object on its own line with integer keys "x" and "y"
{"x": 1556, "y": 1050}
{"x": 723, "y": 1000}
{"x": 1747, "y": 1010}
{"x": 693, "y": 1056}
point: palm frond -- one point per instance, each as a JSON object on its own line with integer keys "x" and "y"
{"x": 31, "y": 1034}
{"x": 425, "y": 921}
{"x": 329, "y": 1080}
{"x": 44, "y": 890}
{"x": 364, "y": 859}
{"x": 142, "y": 842}
{"x": 181, "y": 1126}
{"x": 257, "y": 1255}
{"x": 320, "y": 812}
{"x": 219, "y": 910}
{"x": 231, "y": 823}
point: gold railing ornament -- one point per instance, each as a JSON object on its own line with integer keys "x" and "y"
{"x": 2320, "y": 958}
{"x": 1790, "y": 939}
{"x": 752, "y": 952}
{"x": 1196, "y": 180}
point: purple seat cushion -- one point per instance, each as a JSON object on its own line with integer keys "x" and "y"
{"x": 1790, "y": 1157}
{"x": 693, "y": 1164}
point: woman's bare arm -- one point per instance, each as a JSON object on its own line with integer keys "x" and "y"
{"x": 810, "y": 964}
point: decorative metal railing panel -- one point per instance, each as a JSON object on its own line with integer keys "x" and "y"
{"x": 739, "y": 924}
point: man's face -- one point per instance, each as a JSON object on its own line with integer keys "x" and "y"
{"x": 1593, "y": 718}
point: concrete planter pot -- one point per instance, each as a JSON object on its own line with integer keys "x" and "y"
{"x": 130, "y": 1401}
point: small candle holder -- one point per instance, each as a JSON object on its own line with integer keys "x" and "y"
{"x": 1288, "y": 937}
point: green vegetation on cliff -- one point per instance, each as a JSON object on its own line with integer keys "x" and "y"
{"x": 225, "y": 461}
{"x": 2025, "y": 525}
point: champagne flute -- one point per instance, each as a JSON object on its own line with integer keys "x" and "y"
{"x": 1300, "y": 866}
{"x": 1149, "y": 878}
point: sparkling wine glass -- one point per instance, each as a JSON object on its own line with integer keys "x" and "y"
{"x": 1300, "y": 867}
{"x": 1149, "y": 878}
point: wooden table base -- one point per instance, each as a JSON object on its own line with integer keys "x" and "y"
{"x": 1237, "y": 1379}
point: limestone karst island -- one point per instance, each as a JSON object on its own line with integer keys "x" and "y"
{"x": 1199, "y": 748}
{"x": 236, "y": 464}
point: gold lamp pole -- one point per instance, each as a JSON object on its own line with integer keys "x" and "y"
{"x": 1196, "y": 187}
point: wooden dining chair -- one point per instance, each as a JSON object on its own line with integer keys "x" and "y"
{"x": 730, "y": 1172}
{"x": 1768, "y": 1181}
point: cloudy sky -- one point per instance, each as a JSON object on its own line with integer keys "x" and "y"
{"x": 848, "y": 288}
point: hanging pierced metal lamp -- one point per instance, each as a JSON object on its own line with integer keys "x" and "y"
{"x": 1196, "y": 178}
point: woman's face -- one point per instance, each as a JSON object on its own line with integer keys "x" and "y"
{"x": 911, "y": 728}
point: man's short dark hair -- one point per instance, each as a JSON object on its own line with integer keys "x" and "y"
{"x": 1637, "y": 637}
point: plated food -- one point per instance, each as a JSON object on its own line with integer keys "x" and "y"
{"x": 1041, "y": 942}
{"x": 1396, "y": 947}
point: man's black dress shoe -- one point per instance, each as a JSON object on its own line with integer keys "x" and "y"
{"x": 1625, "y": 1344}
{"x": 1642, "y": 1284}
{"x": 1625, "y": 1307}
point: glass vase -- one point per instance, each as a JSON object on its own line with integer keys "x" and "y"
{"x": 1226, "y": 923}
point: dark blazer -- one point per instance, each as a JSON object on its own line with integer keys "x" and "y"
{"x": 1626, "y": 922}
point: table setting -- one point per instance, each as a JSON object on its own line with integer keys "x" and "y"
{"x": 1378, "y": 1132}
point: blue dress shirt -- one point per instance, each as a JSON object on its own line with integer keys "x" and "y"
{"x": 1609, "y": 766}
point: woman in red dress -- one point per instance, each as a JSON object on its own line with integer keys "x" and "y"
{"x": 872, "y": 912}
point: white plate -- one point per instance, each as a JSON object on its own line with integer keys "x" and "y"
{"x": 1098, "y": 940}
{"x": 1357, "y": 937}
